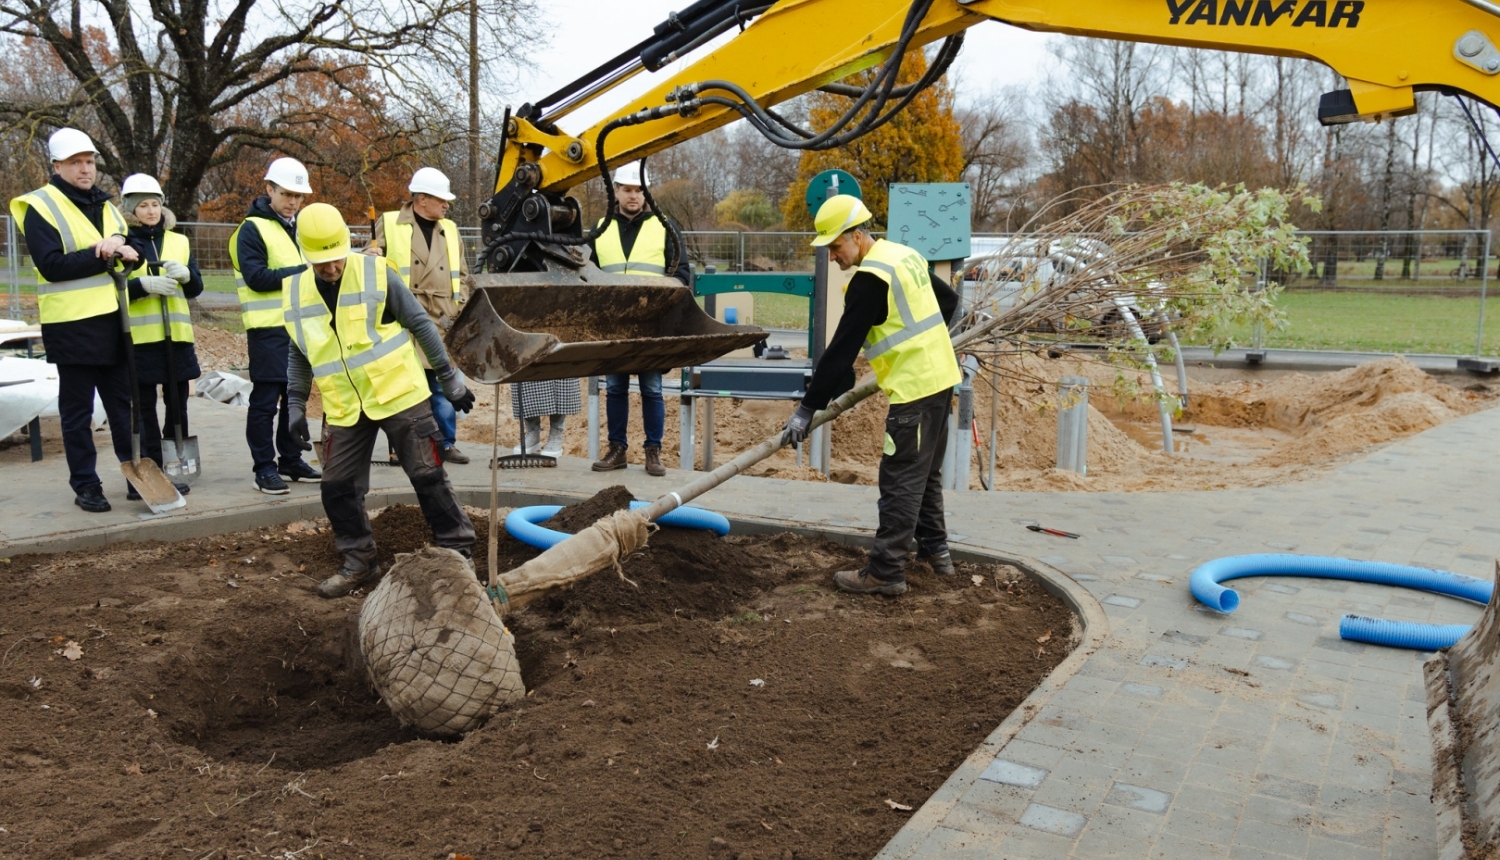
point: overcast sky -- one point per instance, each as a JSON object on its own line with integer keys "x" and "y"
{"x": 585, "y": 33}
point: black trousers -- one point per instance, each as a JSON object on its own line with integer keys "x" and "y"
{"x": 152, "y": 431}
{"x": 911, "y": 490}
{"x": 76, "y": 384}
{"x": 416, "y": 439}
{"x": 265, "y": 427}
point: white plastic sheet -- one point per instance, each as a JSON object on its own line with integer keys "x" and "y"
{"x": 35, "y": 395}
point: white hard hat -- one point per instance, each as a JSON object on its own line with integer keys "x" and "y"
{"x": 430, "y": 180}
{"x": 140, "y": 183}
{"x": 629, "y": 174}
{"x": 290, "y": 174}
{"x": 68, "y": 142}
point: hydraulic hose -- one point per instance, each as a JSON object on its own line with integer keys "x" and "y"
{"x": 524, "y": 524}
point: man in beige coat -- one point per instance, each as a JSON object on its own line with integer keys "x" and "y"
{"x": 427, "y": 251}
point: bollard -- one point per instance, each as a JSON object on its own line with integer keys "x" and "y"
{"x": 1073, "y": 424}
{"x": 960, "y": 450}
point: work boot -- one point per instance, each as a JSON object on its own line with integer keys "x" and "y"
{"x": 861, "y": 582}
{"x": 348, "y": 579}
{"x": 942, "y": 565}
{"x": 91, "y": 499}
{"x": 299, "y": 470}
{"x": 654, "y": 468}
{"x": 613, "y": 459}
{"x": 555, "y": 433}
{"x": 451, "y": 454}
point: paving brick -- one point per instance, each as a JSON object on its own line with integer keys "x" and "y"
{"x": 1274, "y": 838}
{"x": 1172, "y": 845}
{"x": 1050, "y": 819}
{"x": 1138, "y": 797}
{"x": 1014, "y": 773}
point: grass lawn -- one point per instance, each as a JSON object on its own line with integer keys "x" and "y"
{"x": 1365, "y": 322}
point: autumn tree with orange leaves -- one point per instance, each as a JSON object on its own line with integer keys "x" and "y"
{"x": 922, "y": 143}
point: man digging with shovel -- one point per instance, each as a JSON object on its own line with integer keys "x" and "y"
{"x": 351, "y": 322}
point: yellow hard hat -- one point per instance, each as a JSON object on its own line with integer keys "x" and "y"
{"x": 322, "y": 233}
{"x": 837, "y": 214}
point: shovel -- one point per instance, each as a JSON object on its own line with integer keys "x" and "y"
{"x": 180, "y": 455}
{"x": 156, "y": 491}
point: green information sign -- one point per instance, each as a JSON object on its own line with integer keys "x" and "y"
{"x": 828, "y": 184}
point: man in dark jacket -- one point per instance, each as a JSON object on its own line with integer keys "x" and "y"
{"x": 264, "y": 253}
{"x": 73, "y": 234}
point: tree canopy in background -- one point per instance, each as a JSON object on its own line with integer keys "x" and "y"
{"x": 921, "y": 144}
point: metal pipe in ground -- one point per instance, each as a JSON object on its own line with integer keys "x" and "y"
{"x": 1073, "y": 424}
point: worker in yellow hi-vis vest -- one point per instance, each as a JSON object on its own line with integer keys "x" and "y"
{"x": 73, "y": 233}
{"x": 635, "y": 243}
{"x": 428, "y": 253}
{"x": 356, "y": 331}
{"x": 167, "y": 274}
{"x": 264, "y": 252}
{"x": 899, "y": 315}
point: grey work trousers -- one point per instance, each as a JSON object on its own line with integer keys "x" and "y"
{"x": 911, "y": 489}
{"x": 417, "y": 441}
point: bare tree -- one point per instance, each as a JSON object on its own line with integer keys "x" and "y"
{"x": 998, "y": 157}
{"x": 165, "y": 87}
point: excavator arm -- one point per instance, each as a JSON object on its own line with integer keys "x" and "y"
{"x": 1386, "y": 49}
{"x": 534, "y": 237}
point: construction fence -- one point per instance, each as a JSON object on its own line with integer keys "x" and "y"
{"x": 1408, "y": 292}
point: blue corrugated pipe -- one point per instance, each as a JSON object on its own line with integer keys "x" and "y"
{"x": 1376, "y": 631}
{"x": 523, "y": 524}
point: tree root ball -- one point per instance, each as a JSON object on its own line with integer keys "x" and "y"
{"x": 440, "y": 657}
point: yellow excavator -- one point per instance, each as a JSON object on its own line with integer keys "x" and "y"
{"x": 541, "y": 311}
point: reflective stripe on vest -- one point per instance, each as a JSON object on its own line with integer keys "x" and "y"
{"x": 145, "y": 313}
{"x": 648, "y": 256}
{"x": 398, "y": 248}
{"x": 910, "y": 352}
{"x": 257, "y": 309}
{"x": 80, "y": 298}
{"x": 360, "y": 364}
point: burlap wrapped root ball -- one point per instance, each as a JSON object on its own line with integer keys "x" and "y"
{"x": 435, "y": 649}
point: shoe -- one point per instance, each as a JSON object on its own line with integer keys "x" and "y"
{"x": 533, "y": 437}
{"x": 552, "y": 448}
{"x": 347, "y": 579}
{"x": 860, "y": 582}
{"x": 271, "y": 484}
{"x": 654, "y": 468}
{"x": 613, "y": 459}
{"x": 91, "y": 499}
{"x": 942, "y": 565}
{"x": 299, "y": 470}
{"x": 451, "y": 454}
{"x": 132, "y": 496}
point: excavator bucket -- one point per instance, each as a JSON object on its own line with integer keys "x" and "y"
{"x": 1463, "y": 715}
{"x": 522, "y": 327}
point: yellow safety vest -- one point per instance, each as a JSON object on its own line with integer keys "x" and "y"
{"x": 81, "y": 298}
{"x": 256, "y": 310}
{"x": 145, "y": 314}
{"x": 398, "y": 249}
{"x": 359, "y": 363}
{"x": 910, "y": 352}
{"x": 648, "y": 256}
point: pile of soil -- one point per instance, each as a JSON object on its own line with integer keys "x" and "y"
{"x": 197, "y": 699}
{"x": 1242, "y": 433}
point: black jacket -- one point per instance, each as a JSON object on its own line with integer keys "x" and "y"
{"x": 95, "y": 340}
{"x": 151, "y": 358}
{"x": 629, "y": 229}
{"x": 866, "y": 305}
{"x": 267, "y": 346}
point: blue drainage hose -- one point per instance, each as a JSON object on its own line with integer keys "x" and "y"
{"x": 523, "y": 524}
{"x": 1205, "y": 585}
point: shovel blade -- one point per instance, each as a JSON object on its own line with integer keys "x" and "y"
{"x": 156, "y": 491}
{"x": 182, "y": 466}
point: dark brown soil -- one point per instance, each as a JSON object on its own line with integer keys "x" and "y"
{"x": 218, "y": 709}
